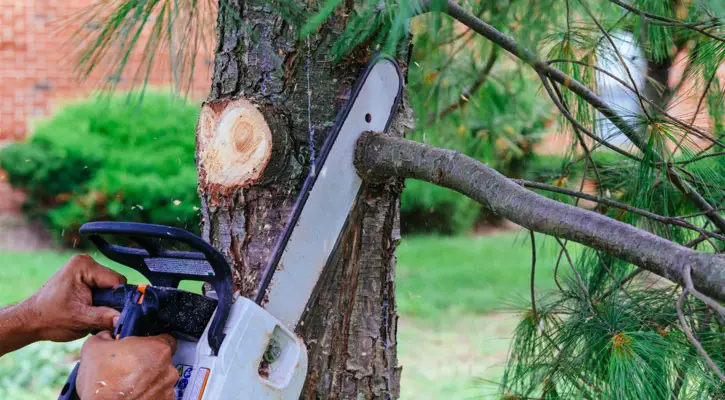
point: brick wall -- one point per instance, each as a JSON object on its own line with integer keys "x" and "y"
{"x": 37, "y": 59}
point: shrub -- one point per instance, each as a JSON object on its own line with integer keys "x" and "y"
{"x": 427, "y": 208}
{"x": 111, "y": 158}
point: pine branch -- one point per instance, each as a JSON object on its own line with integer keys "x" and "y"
{"x": 660, "y": 20}
{"x": 533, "y": 278}
{"x": 482, "y": 78}
{"x": 697, "y": 132}
{"x": 578, "y": 125}
{"x": 529, "y": 57}
{"x": 583, "y": 144}
{"x": 678, "y": 221}
{"x": 608, "y": 37}
{"x": 379, "y": 157}
{"x": 690, "y": 288}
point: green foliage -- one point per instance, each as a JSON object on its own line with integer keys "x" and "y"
{"x": 182, "y": 28}
{"x": 37, "y": 371}
{"x": 110, "y": 160}
{"x": 498, "y": 124}
{"x": 609, "y": 344}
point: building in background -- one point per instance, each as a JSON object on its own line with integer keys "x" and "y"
{"x": 38, "y": 55}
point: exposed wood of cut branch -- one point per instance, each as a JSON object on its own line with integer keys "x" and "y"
{"x": 379, "y": 156}
{"x": 234, "y": 143}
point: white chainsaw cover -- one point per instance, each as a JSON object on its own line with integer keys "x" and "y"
{"x": 238, "y": 371}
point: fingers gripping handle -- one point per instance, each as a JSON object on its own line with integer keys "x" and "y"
{"x": 114, "y": 298}
{"x": 128, "y": 325}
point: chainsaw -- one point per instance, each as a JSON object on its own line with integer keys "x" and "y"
{"x": 230, "y": 346}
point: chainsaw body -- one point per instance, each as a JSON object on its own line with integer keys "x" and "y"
{"x": 259, "y": 359}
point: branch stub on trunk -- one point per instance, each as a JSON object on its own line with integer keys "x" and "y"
{"x": 234, "y": 143}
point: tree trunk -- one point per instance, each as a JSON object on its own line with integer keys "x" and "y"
{"x": 251, "y": 165}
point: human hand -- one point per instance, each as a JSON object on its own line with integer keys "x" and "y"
{"x": 131, "y": 368}
{"x": 62, "y": 309}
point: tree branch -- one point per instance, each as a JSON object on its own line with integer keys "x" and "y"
{"x": 660, "y": 20}
{"x": 679, "y": 221}
{"x": 509, "y": 44}
{"x": 483, "y": 76}
{"x": 379, "y": 157}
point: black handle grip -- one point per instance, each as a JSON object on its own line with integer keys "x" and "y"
{"x": 114, "y": 298}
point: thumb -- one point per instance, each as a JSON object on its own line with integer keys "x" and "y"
{"x": 100, "y": 317}
{"x": 95, "y": 340}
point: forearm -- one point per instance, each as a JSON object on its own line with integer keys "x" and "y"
{"x": 17, "y": 327}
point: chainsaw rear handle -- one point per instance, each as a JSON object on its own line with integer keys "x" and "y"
{"x": 148, "y": 311}
{"x": 151, "y": 310}
{"x": 113, "y": 298}
{"x": 132, "y": 314}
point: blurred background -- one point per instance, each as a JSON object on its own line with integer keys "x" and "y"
{"x": 69, "y": 155}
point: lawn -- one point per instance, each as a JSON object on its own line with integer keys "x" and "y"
{"x": 451, "y": 293}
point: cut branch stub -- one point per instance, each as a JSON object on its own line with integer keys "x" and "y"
{"x": 234, "y": 144}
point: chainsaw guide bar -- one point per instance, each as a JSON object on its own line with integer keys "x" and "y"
{"x": 328, "y": 195}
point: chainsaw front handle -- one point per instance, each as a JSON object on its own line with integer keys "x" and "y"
{"x": 166, "y": 268}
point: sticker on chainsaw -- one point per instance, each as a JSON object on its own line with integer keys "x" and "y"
{"x": 197, "y": 390}
{"x": 179, "y": 266}
{"x": 184, "y": 378}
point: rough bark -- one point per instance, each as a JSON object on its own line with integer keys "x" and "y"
{"x": 350, "y": 329}
{"x": 379, "y": 156}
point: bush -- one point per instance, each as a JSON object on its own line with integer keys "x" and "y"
{"x": 427, "y": 208}
{"x": 110, "y": 159}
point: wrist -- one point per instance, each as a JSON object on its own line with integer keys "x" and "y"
{"x": 29, "y": 319}
{"x": 18, "y": 327}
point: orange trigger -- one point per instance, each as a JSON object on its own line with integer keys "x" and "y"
{"x": 142, "y": 289}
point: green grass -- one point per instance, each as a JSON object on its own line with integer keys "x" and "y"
{"x": 463, "y": 275}
{"x": 450, "y": 290}
{"x": 456, "y": 299}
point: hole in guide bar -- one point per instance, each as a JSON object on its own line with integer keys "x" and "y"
{"x": 368, "y": 117}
